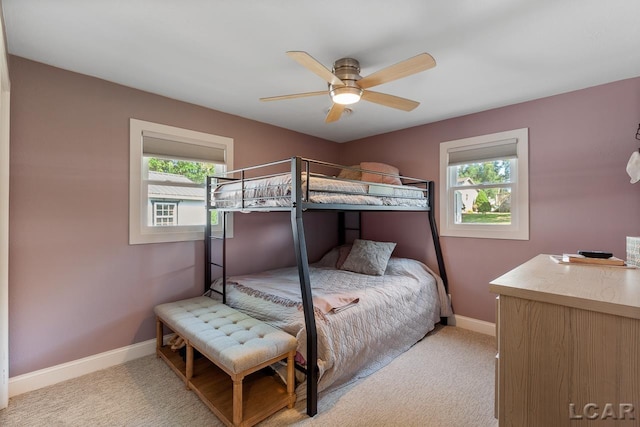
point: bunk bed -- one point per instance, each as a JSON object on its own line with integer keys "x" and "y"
{"x": 299, "y": 185}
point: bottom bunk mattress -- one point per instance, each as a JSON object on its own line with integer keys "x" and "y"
{"x": 363, "y": 321}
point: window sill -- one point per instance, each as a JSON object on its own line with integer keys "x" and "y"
{"x": 485, "y": 232}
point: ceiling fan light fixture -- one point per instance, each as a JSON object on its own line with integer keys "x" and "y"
{"x": 346, "y": 95}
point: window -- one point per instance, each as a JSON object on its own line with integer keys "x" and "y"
{"x": 484, "y": 186}
{"x": 165, "y": 213}
{"x": 167, "y": 174}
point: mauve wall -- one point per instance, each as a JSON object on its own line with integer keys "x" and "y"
{"x": 580, "y": 195}
{"x": 76, "y": 286}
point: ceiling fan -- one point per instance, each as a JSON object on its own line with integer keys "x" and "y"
{"x": 346, "y": 86}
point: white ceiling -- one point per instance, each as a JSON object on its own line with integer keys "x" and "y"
{"x": 225, "y": 54}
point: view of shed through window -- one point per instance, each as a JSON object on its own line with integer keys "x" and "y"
{"x": 176, "y": 191}
{"x": 483, "y": 192}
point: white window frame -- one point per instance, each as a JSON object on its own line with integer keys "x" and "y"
{"x": 139, "y": 230}
{"x": 518, "y": 229}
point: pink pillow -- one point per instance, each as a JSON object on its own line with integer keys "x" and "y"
{"x": 380, "y": 167}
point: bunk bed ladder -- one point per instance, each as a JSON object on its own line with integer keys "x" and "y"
{"x": 345, "y": 228}
{"x": 209, "y": 238}
{"x": 300, "y": 247}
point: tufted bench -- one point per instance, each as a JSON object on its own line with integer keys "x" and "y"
{"x": 236, "y": 347}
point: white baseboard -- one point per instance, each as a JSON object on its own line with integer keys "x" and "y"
{"x": 66, "y": 371}
{"x": 471, "y": 324}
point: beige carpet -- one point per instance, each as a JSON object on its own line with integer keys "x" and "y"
{"x": 447, "y": 379}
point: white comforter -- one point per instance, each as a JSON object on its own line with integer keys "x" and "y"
{"x": 276, "y": 191}
{"x": 391, "y": 314}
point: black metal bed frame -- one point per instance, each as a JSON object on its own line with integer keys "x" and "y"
{"x": 300, "y": 202}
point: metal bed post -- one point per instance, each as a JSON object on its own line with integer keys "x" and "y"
{"x": 224, "y": 256}
{"x": 300, "y": 247}
{"x": 436, "y": 241}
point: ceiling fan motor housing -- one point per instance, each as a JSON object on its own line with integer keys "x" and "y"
{"x": 347, "y": 69}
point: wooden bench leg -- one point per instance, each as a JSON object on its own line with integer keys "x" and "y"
{"x": 189, "y": 362}
{"x": 158, "y": 336}
{"x": 291, "y": 378}
{"x": 237, "y": 399}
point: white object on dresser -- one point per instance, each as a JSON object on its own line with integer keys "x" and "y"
{"x": 633, "y": 251}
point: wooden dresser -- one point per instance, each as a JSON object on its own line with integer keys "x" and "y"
{"x": 568, "y": 345}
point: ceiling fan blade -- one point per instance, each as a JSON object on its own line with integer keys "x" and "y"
{"x": 294, "y": 95}
{"x": 334, "y": 113}
{"x": 389, "y": 100}
{"x": 313, "y": 65}
{"x": 405, "y": 68}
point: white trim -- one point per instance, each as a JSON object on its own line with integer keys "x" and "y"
{"x": 472, "y": 324}
{"x": 5, "y": 91}
{"x": 519, "y": 227}
{"x": 139, "y": 231}
{"x": 66, "y": 371}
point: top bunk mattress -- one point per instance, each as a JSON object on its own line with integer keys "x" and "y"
{"x": 275, "y": 191}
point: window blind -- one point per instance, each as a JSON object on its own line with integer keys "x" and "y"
{"x": 181, "y": 148}
{"x": 479, "y": 153}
